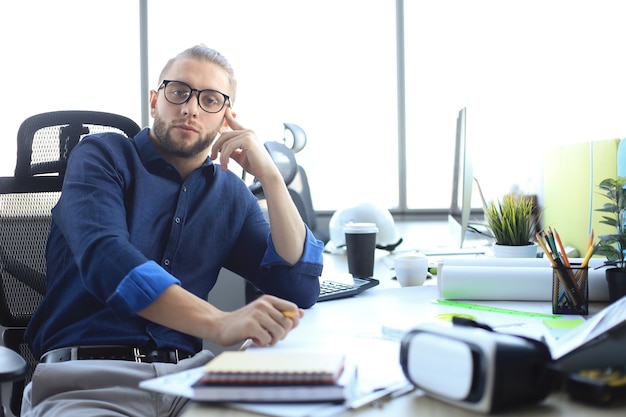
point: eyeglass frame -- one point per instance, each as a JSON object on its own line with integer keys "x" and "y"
{"x": 164, "y": 84}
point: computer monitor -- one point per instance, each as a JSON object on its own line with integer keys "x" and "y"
{"x": 462, "y": 177}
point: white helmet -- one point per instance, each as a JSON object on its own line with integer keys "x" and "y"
{"x": 386, "y": 238}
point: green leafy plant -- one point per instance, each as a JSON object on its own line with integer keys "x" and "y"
{"x": 512, "y": 220}
{"x": 612, "y": 245}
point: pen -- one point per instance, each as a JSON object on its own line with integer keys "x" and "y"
{"x": 246, "y": 344}
{"x": 394, "y": 390}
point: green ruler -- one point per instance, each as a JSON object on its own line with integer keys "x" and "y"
{"x": 494, "y": 309}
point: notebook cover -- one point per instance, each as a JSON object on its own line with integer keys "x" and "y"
{"x": 262, "y": 367}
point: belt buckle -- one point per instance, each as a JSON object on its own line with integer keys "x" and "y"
{"x": 138, "y": 355}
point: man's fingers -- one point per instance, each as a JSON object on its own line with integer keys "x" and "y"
{"x": 230, "y": 119}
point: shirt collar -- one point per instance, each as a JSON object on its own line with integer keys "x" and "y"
{"x": 154, "y": 162}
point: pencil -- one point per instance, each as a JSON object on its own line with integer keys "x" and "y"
{"x": 569, "y": 285}
{"x": 562, "y": 273}
{"x": 565, "y": 260}
{"x": 590, "y": 240}
{"x": 552, "y": 244}
{"x": 545, "y": 249}
{"x": 588, "y": 255}
{"x": 561, "y": 248}
{"x": 289, "y": 314}
{"x": 583, "y": 266}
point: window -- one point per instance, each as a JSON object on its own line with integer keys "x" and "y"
{"x": 67, "y": 55}
{"x": 327, "y": 66}
{"x": 531, "y": 74}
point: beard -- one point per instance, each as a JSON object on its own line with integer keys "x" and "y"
{"x": 162, "y": 132}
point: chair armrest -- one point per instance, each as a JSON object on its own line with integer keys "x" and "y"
{"x": 12, "y": 366}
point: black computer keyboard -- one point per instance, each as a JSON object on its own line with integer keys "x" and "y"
{"x": 332, "y": 290}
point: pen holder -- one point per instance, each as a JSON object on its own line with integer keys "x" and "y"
{"x": 570, "y": 289}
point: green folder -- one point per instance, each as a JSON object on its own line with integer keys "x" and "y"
{"x": 570, "y": 189}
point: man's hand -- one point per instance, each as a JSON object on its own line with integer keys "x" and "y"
{"x": 266, "y": 321}
{"x": 242, "y": 145}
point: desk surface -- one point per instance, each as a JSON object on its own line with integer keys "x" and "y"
{"x": 356, "y": 325}
{"x": 418, "y": 404}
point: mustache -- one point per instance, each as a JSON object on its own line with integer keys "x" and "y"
{"x": 188, "y": 123}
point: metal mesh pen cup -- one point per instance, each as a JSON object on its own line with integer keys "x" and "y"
{"x": 570, "y": 289}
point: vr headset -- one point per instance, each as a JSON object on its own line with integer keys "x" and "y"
{"x": 473, "y": 367}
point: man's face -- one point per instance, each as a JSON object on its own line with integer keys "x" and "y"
{"x": 185, "y": 130}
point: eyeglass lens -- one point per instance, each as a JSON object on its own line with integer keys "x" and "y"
{"x": 211, "y": 101}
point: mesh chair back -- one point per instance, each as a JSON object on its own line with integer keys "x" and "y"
{"x": 25, "y": 222}
{"x": 44, "y": 145}
{"x": 46, "y": 140}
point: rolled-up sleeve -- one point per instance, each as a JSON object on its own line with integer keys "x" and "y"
{"x": 298, "y": 283}
{"x": 311, "y": 261}
{"x": 140, "y": 288}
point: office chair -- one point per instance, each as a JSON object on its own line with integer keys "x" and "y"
{"x": 12, "y": 367}
{"x": 296, "y": 136}
{"x": 44, "y": 143}
{"x": 294, "y": 175}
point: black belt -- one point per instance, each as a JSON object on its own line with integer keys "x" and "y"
{"x": 121, "y": 353}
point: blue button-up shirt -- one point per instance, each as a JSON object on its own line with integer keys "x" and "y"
{"x": 127, "y": 227}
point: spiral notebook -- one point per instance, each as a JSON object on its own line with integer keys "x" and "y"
{"x": 273, "y": 368}
{"x": 263, "y": 377}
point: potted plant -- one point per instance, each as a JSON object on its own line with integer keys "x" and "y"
{"x": 513, "y": 223}
{"x": 613, "y": 245}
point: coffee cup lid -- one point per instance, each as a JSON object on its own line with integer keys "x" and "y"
{"x": 360, "y": 228}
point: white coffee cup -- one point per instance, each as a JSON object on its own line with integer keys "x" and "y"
{"x": 411, "y": 269}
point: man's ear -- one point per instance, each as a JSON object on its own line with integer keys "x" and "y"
{"x": 153, "y": 100}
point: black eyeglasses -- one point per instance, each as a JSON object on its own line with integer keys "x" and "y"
{"x": 178, "y": 92}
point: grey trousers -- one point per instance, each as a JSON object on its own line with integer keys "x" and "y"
{"x": 99, "y": 388}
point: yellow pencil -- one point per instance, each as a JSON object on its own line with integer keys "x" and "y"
{"x": 583, "y": 265}
{"x": 590, "y": 240}
{"x": 588, "y": 255}
{"x": 289, "y": 314}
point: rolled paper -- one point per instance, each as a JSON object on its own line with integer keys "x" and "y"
{"x": 509, "y": 279}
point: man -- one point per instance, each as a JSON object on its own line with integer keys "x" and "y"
{"x": 139, "y": 235}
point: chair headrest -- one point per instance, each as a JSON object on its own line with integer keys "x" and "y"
{"x": 284, "y": 159}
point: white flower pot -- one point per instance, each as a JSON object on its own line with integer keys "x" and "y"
{"x": 526, "y": 251}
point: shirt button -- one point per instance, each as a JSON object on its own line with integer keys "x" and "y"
{"x": 166, "y": 262}
{"x": 177, "y": 220}
{"x": 184, "y": 188}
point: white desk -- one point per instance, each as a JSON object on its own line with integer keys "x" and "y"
{"x": 354, "y": 326}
